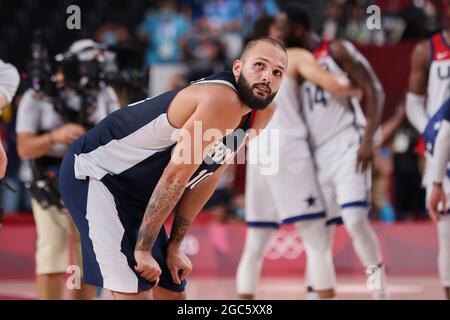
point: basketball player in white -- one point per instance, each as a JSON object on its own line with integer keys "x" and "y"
{"x": 428, "y": 89}
{"x": 292, "y": 195}
{"x": 342, "y": 141}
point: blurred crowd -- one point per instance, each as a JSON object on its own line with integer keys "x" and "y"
{"x": 179, "y": 41}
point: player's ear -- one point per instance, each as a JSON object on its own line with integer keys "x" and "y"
{"x": 237, "y": 66}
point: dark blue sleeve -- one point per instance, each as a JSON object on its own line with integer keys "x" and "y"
{"x": 446, "y": 115}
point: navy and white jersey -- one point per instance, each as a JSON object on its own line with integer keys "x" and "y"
{"x": 129, "y": 150}
{"x": 432, "y": 128}
{"x": 438, "y": 88}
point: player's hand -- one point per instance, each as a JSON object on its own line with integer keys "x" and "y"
{"x": 180, "y": 266}
{"x": 147, "y": 267}
{"x": 437, "y": 196}
{"x": 365, "y": 156}
{"x": 67, "y": 133}
{"x": 357, "y": 93}
{"x": 3, "y": 162}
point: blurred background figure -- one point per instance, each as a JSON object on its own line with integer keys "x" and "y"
{"x": 203, "y": 50}
{"x": 334, "y": 23}
{"x": 162, "y": 30}
{"x": 383, "y": 167}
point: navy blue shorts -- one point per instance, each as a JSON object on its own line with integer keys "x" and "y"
{"x": 109, "y": 227}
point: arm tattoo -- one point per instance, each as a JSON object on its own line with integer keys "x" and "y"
{"x": 179, "y": 229}
{"x": 162, "y": 201}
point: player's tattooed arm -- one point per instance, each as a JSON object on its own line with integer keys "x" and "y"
{"x": 190, "y": 205}
{"x": 163, "y": 200}
{"x": 179, "y": 228}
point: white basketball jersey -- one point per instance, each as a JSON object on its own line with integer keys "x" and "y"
{"x": 325, "y": 114}
{"x": 290, "y": 140}
{"x": 438, "y": 90}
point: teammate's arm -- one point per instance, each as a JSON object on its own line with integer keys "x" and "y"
{"x": 311, "y": 70}
{"x": 220, "y": 109}
{"x": 362, "y": 75}
{"x": 441, "y": 159}
{"x": 417, "y": 86}
{"x": 9, "y": 81}
{"x": 193, "y": 201}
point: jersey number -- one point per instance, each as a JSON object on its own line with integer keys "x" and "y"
{"x": 316, "y": 95}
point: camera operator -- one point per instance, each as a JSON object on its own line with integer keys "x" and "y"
{"x": 47, "y": 122}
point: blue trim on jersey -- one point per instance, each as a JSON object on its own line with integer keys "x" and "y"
{"x": 335, "y": 220}
{"x": 448, "y": 173}
{"x": 262, "y": 224}
{"x": 363, "y": 203}
{"x": 309, "y": 216}
{"x": 446, "y": 114}
{"x": 431, "y": 130}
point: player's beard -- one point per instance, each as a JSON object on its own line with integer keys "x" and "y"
{"x": 249, "y": 98}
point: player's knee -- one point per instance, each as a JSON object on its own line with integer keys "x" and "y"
{"x": 254, "y": 251}
{"x": 314, "y": 235}
{"x": 356, "y": 221}
{"x": 256, "y": 242}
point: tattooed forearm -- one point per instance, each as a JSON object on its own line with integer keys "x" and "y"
{"x": 179, "y": 229}
{"x": 163, "y": 200}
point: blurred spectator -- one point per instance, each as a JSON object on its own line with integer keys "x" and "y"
{"x": 383, "y": 168}
{"x": 163, "y": 30}
{"x": 234, "y": 19}
{"x": 255, "y": 9}
{"x": 270, "y": 25}
{"x": 332, "y": 26}
{"x": 203, "y": 50}
{"x": 112, "y": 34}
{"x": 356, "y": 29}
{"x": 225, "y": 17}
{"x": 409, "y": 194}
{"x": 419, "y": 16}
{"x": 381, "y": 173}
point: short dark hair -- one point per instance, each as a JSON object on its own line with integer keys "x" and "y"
{"x": 262, "y": 26}
{"x": 298, "y": 15}
{"x": 257, "y": 40}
